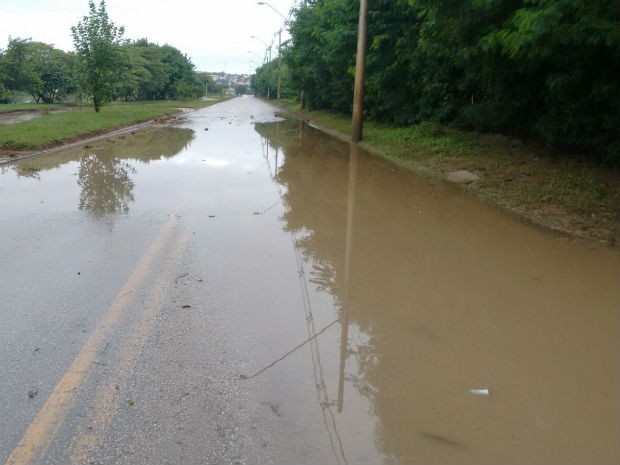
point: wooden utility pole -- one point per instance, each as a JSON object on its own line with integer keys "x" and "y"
{"x": 360, "y": 66}
{"x": 279, "y": 59}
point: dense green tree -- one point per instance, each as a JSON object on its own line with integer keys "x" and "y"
{"x": 183, "y": 82}
{"x": 545, "y": 69}
{"x": 97, "y": 44}
{"x": 105, "y": 68}
{"x": 265, "y": 80}
{"x": 324, "y": 35}
{"x": 574, "y": 48}
{"x": 152, "y": 88}
{"x": 42, "y": 71}
{"x": 18, "y": 68}
{"x": 151, "y": 71}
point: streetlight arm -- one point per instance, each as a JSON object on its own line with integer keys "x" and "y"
{"x": 267, "y": 4}
{"x": 260, "y": 40}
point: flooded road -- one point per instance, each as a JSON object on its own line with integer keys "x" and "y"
{"x": 241, "y": 288}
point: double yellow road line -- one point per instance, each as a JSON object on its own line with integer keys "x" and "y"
{"x": 39, "y": 435}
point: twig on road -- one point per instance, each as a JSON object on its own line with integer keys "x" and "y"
{"x": 176, "y": 280}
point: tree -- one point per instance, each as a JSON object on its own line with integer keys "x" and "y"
{"x": 17, "y": 66}
{"x": 322, "y": 56}
{"x": 183, "y": 82}
{"x": 212, "y": 87}
{"x": 97, "y": 44}
{"x": 542, "y": 69}
{"x": 39, "y": 69}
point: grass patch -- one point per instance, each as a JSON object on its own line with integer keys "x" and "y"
{"x": 563, "y": 192}
{"x": 55, "y": 128}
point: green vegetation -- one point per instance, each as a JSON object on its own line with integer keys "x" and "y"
{"x": 104, "y": 68}
{"x": 544, "y": 70}
{"x": 98, "y": 43}
{"x": 37, "y": 69}
{"x": 570, "y": 194}
{"x": 54, "y": 128}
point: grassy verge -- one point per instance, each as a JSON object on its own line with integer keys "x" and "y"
{"x": 562, "y": 192}
{"x": 55, "y": 128}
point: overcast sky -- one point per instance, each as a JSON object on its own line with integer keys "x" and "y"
{"x": 215, "y": 34}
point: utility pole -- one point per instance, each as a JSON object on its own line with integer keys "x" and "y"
{"x": 279, "y": 44}
{"x": 279, "y": 61}
{"x": 360, "y": 65}
{"x": 269, "y": 74}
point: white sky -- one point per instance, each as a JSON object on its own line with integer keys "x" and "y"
{"x": 215, "y": 34}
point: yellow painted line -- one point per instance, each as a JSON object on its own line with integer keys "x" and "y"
{"x": 44, "y": 427}
{"x": 104, "y": 405}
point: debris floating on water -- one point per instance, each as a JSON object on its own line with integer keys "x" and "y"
{"x": 480, "y": 392}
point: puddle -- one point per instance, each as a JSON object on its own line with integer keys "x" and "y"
{"x": 409, "y": 324}
{"x": 18, "y": 117}
{"x": 443, "y": 297}
{"x": 24, "y": 115}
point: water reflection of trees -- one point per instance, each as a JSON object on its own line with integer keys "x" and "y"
{"x": 307, "y": 203}
{"x": 154, "y": 144}
{"x": 146, "y": 145}
{"x": 106, "y": 185}
{"x": 105, "y": 176}
{"x": 107, "y": 166}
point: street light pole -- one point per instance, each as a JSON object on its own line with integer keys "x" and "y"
{"x": 267, "y": 4}
{"x": 279, "y": 44}
{"x": 268, "y": 57}
{"x": 267, "y": 47}
{"x": 360, "y": 65}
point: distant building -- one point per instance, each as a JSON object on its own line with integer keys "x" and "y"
{"x": 230, "y": 79}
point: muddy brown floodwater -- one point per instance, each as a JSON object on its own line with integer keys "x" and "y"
{"x": 475, "y": 338}
{"x": 330, "y": 307}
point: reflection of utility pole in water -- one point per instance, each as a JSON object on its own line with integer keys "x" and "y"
{"x": 275, "y": 171}
{"x": 344, "y": 319}
{"x": 329, "y": 420}
{"x": 266, "y": 155}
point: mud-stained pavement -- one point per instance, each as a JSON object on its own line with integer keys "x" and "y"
{"x": 240, "y": 288}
